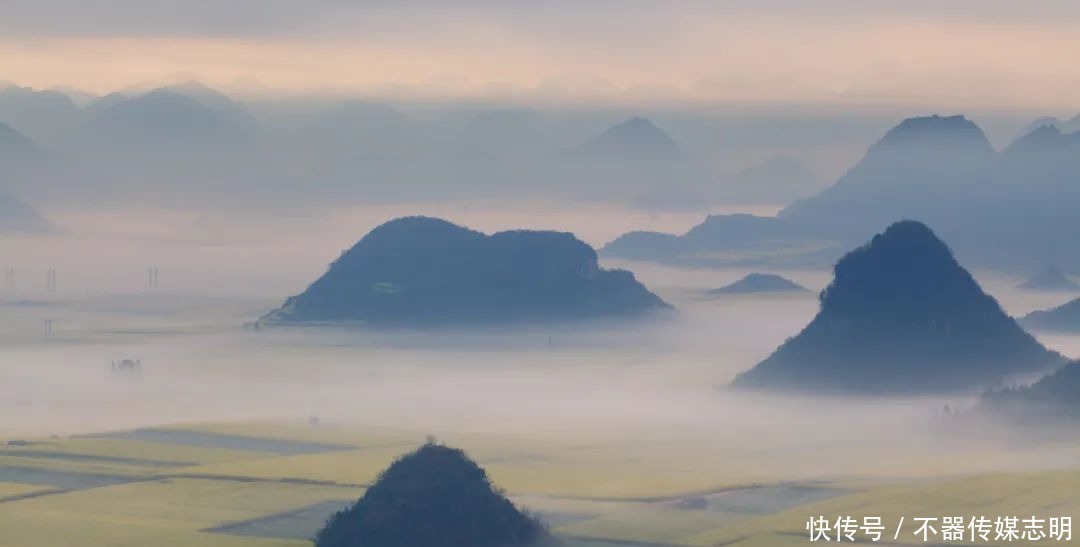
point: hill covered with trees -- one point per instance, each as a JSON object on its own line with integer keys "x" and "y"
{"x": 902, "y": 316}
{"x": 432, "y": 497}
{"x": 420, "y": 271}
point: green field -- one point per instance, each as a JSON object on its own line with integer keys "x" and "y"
{"x": 266, "y": 485}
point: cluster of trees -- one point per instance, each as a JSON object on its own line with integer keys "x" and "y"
{"x": 434, "y": 496}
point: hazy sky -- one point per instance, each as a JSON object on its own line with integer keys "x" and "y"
{"x": 997, "y": 53}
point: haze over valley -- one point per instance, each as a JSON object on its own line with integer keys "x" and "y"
{"x": 601, "y": 274}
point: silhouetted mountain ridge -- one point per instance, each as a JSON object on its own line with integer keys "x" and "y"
{"x": 924, "y": 168}
{"x": 760, "y": 283}
{"x": 1049, "y": 279}
{"x": 1053, "y": 398}
{"x": 1063, "y": 318}
{"x": 901, "y": 315}
{"x": 418, "y": 271}
{"x": 636, "y": 139}
{"x": 432, "y": 497}
{"x": 941, "y": 169}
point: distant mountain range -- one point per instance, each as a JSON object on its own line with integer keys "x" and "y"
{"x": 186, "y": 144}
{"x": 190, "y": 144}
{"x": 636, "y": 140}
{"x": 636, "y": 159}
{"x": 1063, "y": 318}
{"x": 40, "y": 115}
{"x": 166, "y": 121}
{"x": 1008, "y": 210}
{"x": 1070, "y": 125}
{"x": 1050, "y": 401}
{"x": 729, "y": 240}
{"x": 902, "y": 316}
{"x": 421, "y": 271}
{"x": 760, "y": 283}
{"x": 1050, "y": 279}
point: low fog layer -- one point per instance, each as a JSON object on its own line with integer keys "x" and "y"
{"x": 659, "y": 380}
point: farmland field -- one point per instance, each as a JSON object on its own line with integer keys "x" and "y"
{"x": 614, "y": 438}
{"x": 55, "y": 492}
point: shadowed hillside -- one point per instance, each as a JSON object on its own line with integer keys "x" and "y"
{"x": 760, "y": 283}
{"x": 940, "y": 169}
{"x": 901, "y": 315}
{"x": 1057, "y": 395}
{"x": 419, "y": 271}
{"x": 1064, "y": 318}
{"x": 433, "y": 497}
{"x": 1050, "y": 279}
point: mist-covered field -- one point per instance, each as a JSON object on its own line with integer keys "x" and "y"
{"x": 548, "y": 274}
{"x": 611, "y": 431}
{"x": 203, "y": 361}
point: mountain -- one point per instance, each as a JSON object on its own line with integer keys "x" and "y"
{"x": 637, "y": 140}
{"x": 728, "y": 240}
{"x": 759, "y": 283}
{"x": 42, "y": 175}
{"x": 1042, "y": 153}
{"x": 926, "y": 168}
{"x": 1071, "y": 125}
{"x": 420, "y": 271}
{"x": 1050, "y": 279}
{"x": 1039, "y": 123}
{"x": 1045, "y": 168}
{"x": 167, "y": 144}
{"x": 167, "y": 118}
{"x": 1064, "y": 318}
{"x": 634, "y": 158}
{"x": 901, "y": 316}
{"x": 432, "y": 497}
{"x": 647, "y": 245}
{"x": 205, "y": 95}
{"x": 107, "y": 101}
{"x": 78, "y": 96}
{"x": 1054, "y": 397}
{"x": 1007, "y": 210}
{"x": 43, "y": 116}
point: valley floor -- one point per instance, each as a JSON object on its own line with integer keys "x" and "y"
{"x": 263, "y": 484}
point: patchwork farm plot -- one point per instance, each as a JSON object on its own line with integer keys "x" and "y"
{"x": 274, "y": 485}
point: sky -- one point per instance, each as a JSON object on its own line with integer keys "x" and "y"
{"x": 992, "y": 53}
